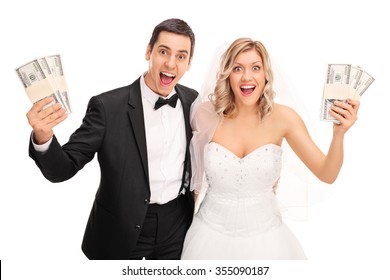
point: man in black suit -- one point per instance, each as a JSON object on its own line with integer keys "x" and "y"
{"x": 141, "y": 134}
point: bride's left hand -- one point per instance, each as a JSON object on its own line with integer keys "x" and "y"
{"x": 346, "y": 113}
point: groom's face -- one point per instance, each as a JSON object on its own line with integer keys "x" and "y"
{"x": 168, "y": 61}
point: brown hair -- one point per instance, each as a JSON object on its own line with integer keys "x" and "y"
{"x": 173, "y": 25}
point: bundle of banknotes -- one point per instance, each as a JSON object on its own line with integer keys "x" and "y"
{"x": 43, "y": 77}
{"x": 343, "y": 81}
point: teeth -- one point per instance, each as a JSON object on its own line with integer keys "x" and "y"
{"x": 168, "y": 74}
{"x": 248, "y": 87}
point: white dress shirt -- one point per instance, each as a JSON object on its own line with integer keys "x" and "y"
{"x": 166, "y": 145}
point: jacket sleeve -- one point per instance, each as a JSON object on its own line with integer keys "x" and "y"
{"x": 58, "y": 163}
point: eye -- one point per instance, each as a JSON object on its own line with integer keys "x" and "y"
{"x": 237, "y": 69}
{"x": 256, "y": 68}
{"x": 181, "y": 57}
{"x": 163, "y": 52}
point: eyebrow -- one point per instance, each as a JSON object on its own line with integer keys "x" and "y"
{"x": 259, "y": 61}
{"x": 166, "y": 47}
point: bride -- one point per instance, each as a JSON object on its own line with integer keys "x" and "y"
{"x": 236, "y": 150}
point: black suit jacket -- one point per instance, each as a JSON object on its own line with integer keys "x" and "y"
{"x": 113, "y": 127}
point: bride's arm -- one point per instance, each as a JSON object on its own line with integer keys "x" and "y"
{"x": 324, "y": 167}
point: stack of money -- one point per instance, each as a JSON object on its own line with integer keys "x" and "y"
{"x": 343, "y": 81}
{"x": 43, "y": 77}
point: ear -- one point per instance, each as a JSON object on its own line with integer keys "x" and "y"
{"x": 147, "y": 54}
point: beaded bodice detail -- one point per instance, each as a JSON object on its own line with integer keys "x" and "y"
{"x": 240, "y": 199}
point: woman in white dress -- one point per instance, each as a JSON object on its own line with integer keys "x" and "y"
{"x": 236, "y": 150}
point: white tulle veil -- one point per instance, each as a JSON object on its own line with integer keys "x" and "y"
{"x": 297, "y": 187}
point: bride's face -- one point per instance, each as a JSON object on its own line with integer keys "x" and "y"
{"x": 247, "y": 78}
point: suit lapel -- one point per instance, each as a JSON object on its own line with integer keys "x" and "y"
{"x": 186, "y": 104}
{"x": 136, "y": 116}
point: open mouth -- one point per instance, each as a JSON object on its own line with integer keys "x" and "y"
{"x": 166, "y": 78}
{"x": 247, "y": 90}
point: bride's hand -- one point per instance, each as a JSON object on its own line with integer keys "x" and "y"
{"x": 346, "y": 113}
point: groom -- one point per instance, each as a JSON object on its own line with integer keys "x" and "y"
{"x": 141, "y": 135}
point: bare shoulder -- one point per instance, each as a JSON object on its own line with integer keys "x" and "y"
{"x": 288, "y": 119}
{"x": 285, "y": 113}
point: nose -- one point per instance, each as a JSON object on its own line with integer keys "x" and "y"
{"x": 170, "y": 62}
{"x": 246, "y": 75}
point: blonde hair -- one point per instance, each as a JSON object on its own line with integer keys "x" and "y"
{"x": 223, "y": 96}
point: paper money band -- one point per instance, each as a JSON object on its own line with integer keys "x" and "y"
{"x": 39, "y": 90}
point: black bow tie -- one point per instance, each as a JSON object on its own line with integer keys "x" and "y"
{"x": 171, "y": 101}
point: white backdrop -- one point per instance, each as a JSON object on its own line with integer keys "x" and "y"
{"x": 102, "y": 44}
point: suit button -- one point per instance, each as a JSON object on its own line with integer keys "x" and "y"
{"x": 137, "y": 227}
{"x": 146, "y": 201}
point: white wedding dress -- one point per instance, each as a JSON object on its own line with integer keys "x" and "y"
{"x": 239, "y": 217}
